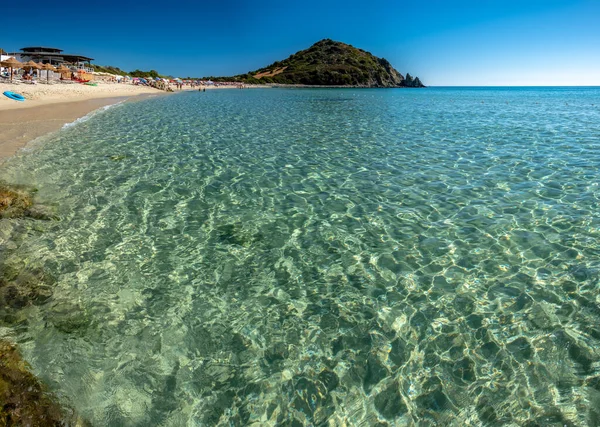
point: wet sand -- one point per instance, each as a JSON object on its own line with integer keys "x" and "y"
{"x": 48, "y": 107}
{"x": 22, "y": 125}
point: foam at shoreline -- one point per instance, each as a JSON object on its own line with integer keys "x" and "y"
{"x": 21, "y": 127}
{"x": 90, "y": 115}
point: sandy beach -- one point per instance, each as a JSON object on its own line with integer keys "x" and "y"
{"x": 44, "y": 94}
{"x": 48, "y": 107}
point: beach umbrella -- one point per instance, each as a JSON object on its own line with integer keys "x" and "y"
{"x": 31, "y": 64}
{"x": 11, "y": 63}
{"x": 48, "y": 68}
{"x": 62, "y": 70}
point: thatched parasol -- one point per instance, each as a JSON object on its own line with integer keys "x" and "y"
{"x": 11, "y": 63}
{"x": 48, "y": 67}
{"x": 65, "y": 72}
{"x": 31, "y": 64}
{"x": 62, "y": 69}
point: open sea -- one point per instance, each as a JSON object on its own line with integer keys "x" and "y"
{"x": 316, "y": 257}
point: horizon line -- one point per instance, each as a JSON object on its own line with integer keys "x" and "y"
{"x": 581, "y": 86}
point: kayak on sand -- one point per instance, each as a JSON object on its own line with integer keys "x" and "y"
{"x": 15, "y": 96}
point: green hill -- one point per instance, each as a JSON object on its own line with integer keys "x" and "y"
{"x": 331, "y": 63}
{"x": 108, "y": 69}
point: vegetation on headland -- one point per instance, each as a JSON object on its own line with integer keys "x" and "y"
{"x": 135, "y": 73}
{"x": 108, "y": 69}
{"x": 329, "y": 63}
{"x": 143, "y": 74}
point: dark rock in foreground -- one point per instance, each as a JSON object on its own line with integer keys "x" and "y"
{"x": 23, "y": 400}
{"x": 17, "y": 202}
{"x": 14, "y": 202}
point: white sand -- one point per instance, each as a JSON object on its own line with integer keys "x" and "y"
{"x": 47, "y": 107}
{"x": 43, "y": 94}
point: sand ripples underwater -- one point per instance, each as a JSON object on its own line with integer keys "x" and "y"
{"x": 316, "y": 257}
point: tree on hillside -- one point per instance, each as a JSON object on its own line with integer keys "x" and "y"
{"x": 139, "y": 73}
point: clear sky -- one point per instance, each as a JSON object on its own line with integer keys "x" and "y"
{"x": 460, "y": 42}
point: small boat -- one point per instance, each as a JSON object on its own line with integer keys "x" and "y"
{"x": 15, "y": 96}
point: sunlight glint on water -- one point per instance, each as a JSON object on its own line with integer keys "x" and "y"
{"x": 265, "y": 256}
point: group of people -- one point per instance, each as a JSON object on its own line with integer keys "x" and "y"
{"x": 26, "y": 76}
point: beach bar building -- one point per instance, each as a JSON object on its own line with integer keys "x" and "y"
{"x": 54, "y": 56}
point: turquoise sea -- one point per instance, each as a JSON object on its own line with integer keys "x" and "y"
{"x": 316, "y": 257}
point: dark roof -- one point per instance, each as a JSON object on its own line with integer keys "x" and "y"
{"x": 41, "y": 48}
{"x": 58, "y": 55}
{"x": 85, "y": 58}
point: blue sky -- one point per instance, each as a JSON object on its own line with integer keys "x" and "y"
{"x": 461, "y": 42}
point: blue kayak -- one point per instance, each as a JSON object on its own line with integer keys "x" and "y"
{"x": 15, "y": 96}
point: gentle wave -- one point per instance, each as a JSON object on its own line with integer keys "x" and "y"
{"x": 91, "y": 114}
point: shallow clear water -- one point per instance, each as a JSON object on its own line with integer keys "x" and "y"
{"x": 318, "y": 257}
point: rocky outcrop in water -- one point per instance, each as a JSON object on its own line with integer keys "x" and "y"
{"x": 23, "y": 399}
{"x": 21, "y": 289}
{"x": 17, "y": 202}
{"x": 14, "y": 202}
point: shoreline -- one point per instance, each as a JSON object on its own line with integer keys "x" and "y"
{"x": 48, "y": 108}
{"x": 20, "y": 126}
